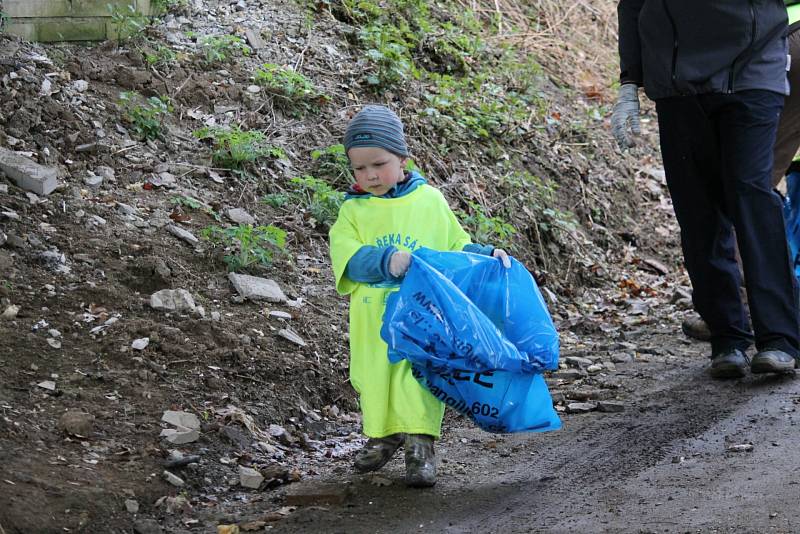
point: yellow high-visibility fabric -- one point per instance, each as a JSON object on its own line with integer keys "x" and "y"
{"x": 391, "y": 399}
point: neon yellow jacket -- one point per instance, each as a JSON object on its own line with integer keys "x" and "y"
{"x": 391, "y": 399}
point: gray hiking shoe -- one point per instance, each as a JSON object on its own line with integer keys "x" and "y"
{"x": 377, "y": 452}
{"x": 420, "y": 461}
{"x": 772, "y": 361}
{"x": 731, "y": 363}
{"x": 696, "y": 328}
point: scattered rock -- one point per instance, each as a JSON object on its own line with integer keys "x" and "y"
{"x": 280, "y": 315}
{"x": 49, "y": 385}
{"x": 594, "y": 368}
{"x": 622, "y": 357}
{"x": 317, "y": 493}
{"x": 256, "y": 288}
{"x": 581, "y": 407}
{"x": 254, "y": 39}
{"x": 3, "y": 238}
{"x": 172, "y": 300}
{"x": 181, "y": 419}
{"x": 173, "y": 479}
{"x": 291, "y": 335}
{"x": 80, "y": 85}
{"x": 55, "y": 343}
{"x": 238, "y": 438}
{"x": 250, "y": 478}
{"x": 656, "y": 266}
{"x": 577, "y": 361}
{"x": 28, "y": 174}
{"x": 610, "y": 406}
{"x": 76, "y": 423}
{"x": 744, "y": 447}
{"x": 215, "y": 316}
{"x": 93, "y": 181}
{"x": 107, "y": 173}
{"x": 10, "y": 313}
{"x": 132, "y": 506}
{"x": 185, "y": 235}
{"x": 569, "y": 374}
{"x": 240, "y": 216}
{"x": 180, "y": 436}
{"x": 141, "y": 343}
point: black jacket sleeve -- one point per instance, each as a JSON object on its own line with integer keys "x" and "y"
{"x": 630, "y": 48}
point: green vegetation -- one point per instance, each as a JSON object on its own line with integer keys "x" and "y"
{"x": 295, "y": 90}
{"x": 247, "y": 245}
{"x": 159, "y": 56}
{"x": 485, "y": 229}
{"x": 147, "y": 118}
{"x": 127, "y": 22}
{"x": 333, "y": 164}
{"x": 218, "y": 48}
{"x": 314, "y": 196}
{"x": 194, "y": 204}
{"x": 235, "y": 148}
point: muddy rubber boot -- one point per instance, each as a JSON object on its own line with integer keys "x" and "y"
{"x": 420, "y": 461}
{"x": 772, "y": 361}
{"x": 376, "y": 452}
{"x": 731, "y": 363}
{"x": 696, "y": 328}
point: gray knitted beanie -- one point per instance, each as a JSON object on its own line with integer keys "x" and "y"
{"x": 376, "y": 126}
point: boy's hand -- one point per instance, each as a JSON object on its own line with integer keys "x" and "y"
{"x": 399, "y": 263}
{"x": 503, "y": 255}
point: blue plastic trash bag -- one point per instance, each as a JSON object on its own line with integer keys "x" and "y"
{"x": 791, "y": 212}
{"x": 478, "y": 336}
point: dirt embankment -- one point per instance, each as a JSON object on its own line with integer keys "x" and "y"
{"x": 525, "y": 157}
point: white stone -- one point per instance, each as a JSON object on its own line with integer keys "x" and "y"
{"x": 250, "y": 478}
{"x": 54, "y": 333}
{"x": 594, "y": 368}
{"x": 80, "y": 85}
{"x": 93, "y": 181}
{"x": 141, "y": 343}
{"x": 181, "y": 419}
{"x": 240, "y": 216}
{"x": 48, "y": 385}
{"x": 280, "y": 315}
{"x": 56, "y": 344}
{"x": 215, "y": 316}
{"x": 253, "y": 89}
{"x": 186, "y": 235}
{"x": 10, "y": 312}
{"x": 106, "y": 172}
{"x": 172, "y": 300}
{"x": 577, "y": 361}
{"x": 581, "y": 407}
{"x": 172, "y": 479}
{"x": 256, "y": 288}
{"x": 180, "y": 436}
{"x": 292, "y": 336}
{"x": 132, "y": 506}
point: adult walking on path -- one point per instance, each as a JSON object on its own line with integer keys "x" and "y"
{"x": 787, "y": 141}
{"x": 717, "y": 73}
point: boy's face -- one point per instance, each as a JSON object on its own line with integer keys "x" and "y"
{"x": 376, "y": 170}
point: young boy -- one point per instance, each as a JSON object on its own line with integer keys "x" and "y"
{"x": 386, "y": 215}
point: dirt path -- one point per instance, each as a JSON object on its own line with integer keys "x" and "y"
{"x": 664, "y": 465}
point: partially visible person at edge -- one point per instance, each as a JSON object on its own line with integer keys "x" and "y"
{"x": 717, "y": 73}
{"x": 787, "y": 142}
{"x": 386, "y": 215}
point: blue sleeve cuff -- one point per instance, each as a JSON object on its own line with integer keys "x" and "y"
{"x": 475, "y": 248}
{"x": 370, "y": 265}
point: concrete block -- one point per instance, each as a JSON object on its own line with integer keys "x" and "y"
{"x": 17, "y": 9}
{"x": 28, "y": 174}
{"x": 99, "y": 8}
{"x": 62, "y": 29}
{"x": 24, "y": 30}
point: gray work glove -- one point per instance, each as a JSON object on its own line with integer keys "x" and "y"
{"x": 399, "y": 263}
{"x": 626, "y": 112}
